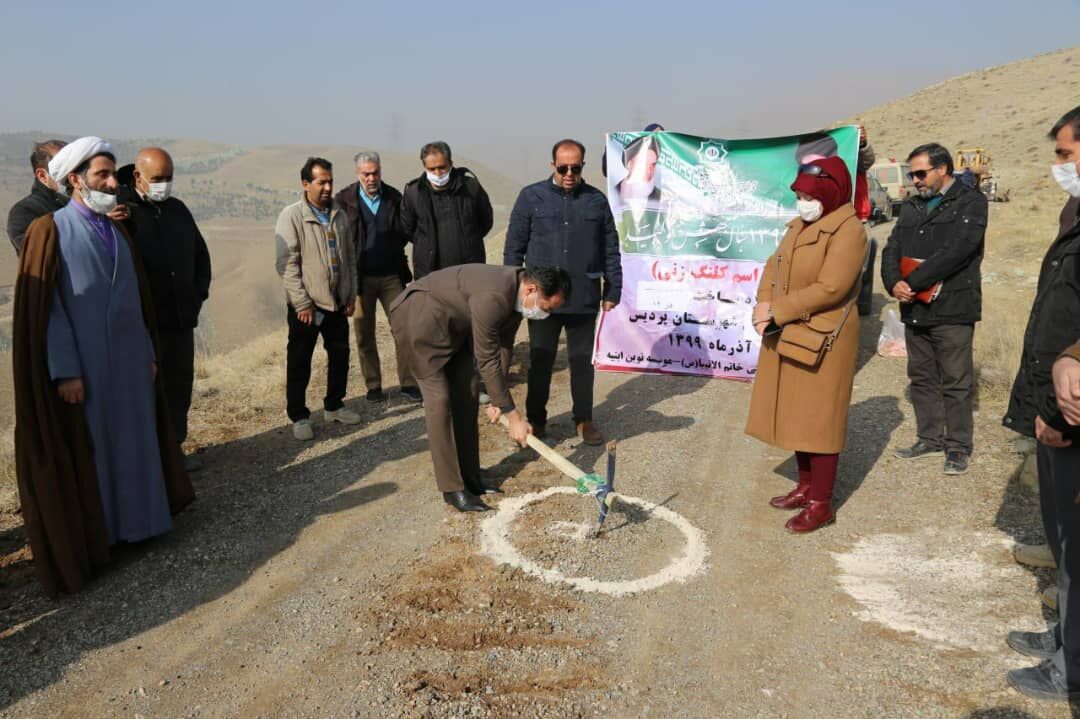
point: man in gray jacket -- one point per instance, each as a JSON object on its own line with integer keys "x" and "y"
{"x": 319, "y": 271}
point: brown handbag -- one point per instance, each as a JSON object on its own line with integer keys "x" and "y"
{"x": 801, "y": 343}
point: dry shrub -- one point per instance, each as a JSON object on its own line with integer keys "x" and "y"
{"x": 9, "y": 492}
{"x": 999, "y": 340}
{"x": 237, "y": 389}
{"x": 1017, "y": 238}
{"x": 201, "y": 370}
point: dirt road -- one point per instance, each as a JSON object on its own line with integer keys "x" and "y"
{"x": 330, "y": 580}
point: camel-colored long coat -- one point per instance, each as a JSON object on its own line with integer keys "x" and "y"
{"x": 810, "y": 278}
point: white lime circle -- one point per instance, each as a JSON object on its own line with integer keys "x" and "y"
{"x": 495, "y": 543}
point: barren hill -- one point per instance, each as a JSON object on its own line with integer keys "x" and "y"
{"x": 1007, "y": 110}
{"x": 235, "y": 182}
{"x": 235, "y": 193}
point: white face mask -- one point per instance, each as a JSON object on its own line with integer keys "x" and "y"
{"x": 1067, "y": 176}
{"x": 438, "y": 180}
{"x": 159, "y": 191}
{"x": 101, "y": 203}
{"x": 809, "y": 210}
{"x": 534, "y": 312}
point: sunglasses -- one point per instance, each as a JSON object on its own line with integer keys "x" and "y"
{"x": 814, "y": 170}
{"x": 572, "y": 169}
{"x": 919, "y": 174}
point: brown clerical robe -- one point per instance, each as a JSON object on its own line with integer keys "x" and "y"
{"x": 54, "y": 458}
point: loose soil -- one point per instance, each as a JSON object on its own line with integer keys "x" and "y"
{"x": 329, "y": 579}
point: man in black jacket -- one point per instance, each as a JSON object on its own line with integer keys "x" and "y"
{"x": 43, "y": 198}
{"x": 177, "y": 264}
{"x": 1045, "y": 404}
{"x": 943, "y": 228}
{"x": 563, "y": 222}
{"x": 445, "y": 213}
{"x": 373, "y": 209}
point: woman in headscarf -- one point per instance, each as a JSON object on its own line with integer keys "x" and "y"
{"x": 800, "y": 403}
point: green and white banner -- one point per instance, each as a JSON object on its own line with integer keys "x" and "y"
{"x": 697, "y": 218}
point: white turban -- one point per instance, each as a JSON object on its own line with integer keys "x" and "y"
{"x": 74, "y": 154}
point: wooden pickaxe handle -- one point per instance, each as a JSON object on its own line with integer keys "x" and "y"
{"x": 554, "y": 458}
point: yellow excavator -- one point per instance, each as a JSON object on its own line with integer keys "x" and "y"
{"x": 972, "y": 165}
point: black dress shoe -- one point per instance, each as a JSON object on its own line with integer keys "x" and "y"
{"x": 376, "y": 395}
{"x": 918, "y": 450}
{"x": 464, "y": 502}
{"x": 1041, "y": 645}
{"x": 412, "y": 394}
{"x": 1042, "y": 682}
{"x": 479, "y": 486}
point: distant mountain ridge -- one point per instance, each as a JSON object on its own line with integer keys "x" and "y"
{"x": 236, "y": 182}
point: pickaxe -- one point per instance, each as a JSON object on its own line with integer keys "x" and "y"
{"x": 587, "y": 483}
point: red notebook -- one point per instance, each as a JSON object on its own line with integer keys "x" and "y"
{"x": 907, "y": 264}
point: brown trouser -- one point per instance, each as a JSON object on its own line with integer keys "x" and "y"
{"x": 383, "y": 290}
{"x": 450, "y": 407}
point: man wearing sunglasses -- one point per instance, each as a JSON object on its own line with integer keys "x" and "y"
{"x": 564, "y": 222}
{"x": 940, "y": 232}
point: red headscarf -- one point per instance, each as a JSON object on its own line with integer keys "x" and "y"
{"x": 832, "y": 191}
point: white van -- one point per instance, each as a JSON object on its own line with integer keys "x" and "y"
{"x": 893, "y": 176}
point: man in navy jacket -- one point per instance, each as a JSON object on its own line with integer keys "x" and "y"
{"x": 563, "y": 222}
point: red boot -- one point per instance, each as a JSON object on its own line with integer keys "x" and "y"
{"x": 795, "y": 499}
{"x": 815, "y": 516}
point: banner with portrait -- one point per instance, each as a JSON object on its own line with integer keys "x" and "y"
{"x": 697, "y": 218}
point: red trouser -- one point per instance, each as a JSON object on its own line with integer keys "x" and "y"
{"x": 819, "y": 472}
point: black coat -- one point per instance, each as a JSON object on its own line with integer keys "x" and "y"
{"x": 1054, "y": 325}
{"x": 950, "y": 240}
{"x": 41, "y": 201}
{"x": 174, "y": 255}
{"x": 392, "y": 245}
{"x": 465, "y": 236}
{"x": 574, "y": 231}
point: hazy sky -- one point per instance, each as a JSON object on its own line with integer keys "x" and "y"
{"x": 498, "y": 80}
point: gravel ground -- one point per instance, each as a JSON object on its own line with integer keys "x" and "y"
{"x": 330, "y": 580}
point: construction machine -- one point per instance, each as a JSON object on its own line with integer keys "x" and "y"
{"x": 973, "y": 165}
